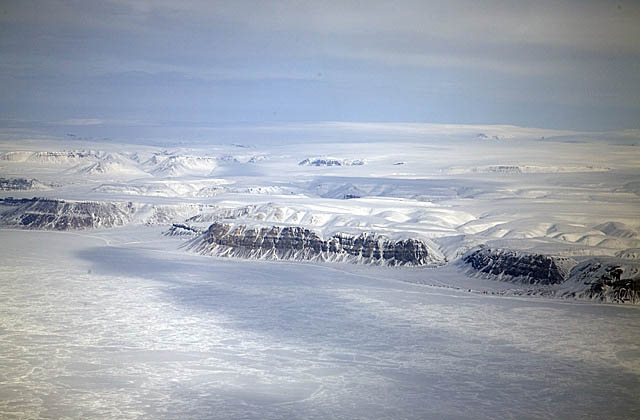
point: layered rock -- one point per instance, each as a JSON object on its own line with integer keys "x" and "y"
{"x": 40, "y": 213}
{"x": 297, "y": 243}
{"x": 604, "y": 279}
{"x": 48, "y": 214}
{"x": 56, "y": 158}
{"x": 325, "y": 161}
{"x": 526, "y": 268}
{"x": 607, "y": 281}
{"x": 180, "y": 229}
{"x": 18, "y": 184}
{"x": 504, "y": 169}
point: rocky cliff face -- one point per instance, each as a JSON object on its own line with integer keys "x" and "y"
{"x": 297, "y": 243}
{"x": 17, "y": 184}
{"x": 518, "y": 266}
{"x": 607, "y": 281}
{"x": 330, "y": 162}
{"x": 181, "y": 229}
{"x": 603, "y": 279}
{"x": 39, "y": 213}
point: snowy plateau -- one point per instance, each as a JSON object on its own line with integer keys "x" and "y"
{"x": 402, "y": 271}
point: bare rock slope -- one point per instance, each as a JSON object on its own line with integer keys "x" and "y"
{"x": 297, "y": 243}
{"x": 50, "y": 214}
{"x": 517, "y": 266}
{"x": 604, "y": 279}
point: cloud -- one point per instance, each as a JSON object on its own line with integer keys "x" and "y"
{"x": 517, "y": 62}
{"x": 81, "y": 122}
{"x": 588, "y": 25}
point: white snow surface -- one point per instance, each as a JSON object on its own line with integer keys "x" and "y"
{"x": 118, "y": 324}
{"x": 127, "y": 323}
{"x": 578, "y": 198}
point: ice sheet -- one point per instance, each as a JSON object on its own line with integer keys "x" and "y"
{"x": 109, "y": 324}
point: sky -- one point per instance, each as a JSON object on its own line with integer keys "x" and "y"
{"x": 558, "y": 64}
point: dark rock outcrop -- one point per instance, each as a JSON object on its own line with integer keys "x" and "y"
{"x": 504, "y": 169}
{"x": 297, "y": 243}
{"x": 18, "y": 184}
{"x": 180, "y": 229}
{"x": 600, "y": 278}
{"x": 517, "y": 266}
{"x": 50, "y": 214}
{"x": 41, "y": 213}
{"x": 607, "y": 281}
{"x": 330, "y": 162}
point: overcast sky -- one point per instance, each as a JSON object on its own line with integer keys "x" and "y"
{"x": 556, "y": 64}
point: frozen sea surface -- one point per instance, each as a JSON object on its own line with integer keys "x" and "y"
{"x": 111, "y": 325}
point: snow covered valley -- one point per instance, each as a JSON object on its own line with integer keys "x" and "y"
{"x": 445, "y": 276}
{"x": 127, "y": 328}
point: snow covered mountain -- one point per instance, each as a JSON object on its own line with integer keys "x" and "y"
{"x": 47, "y": 214}
{"x": 328, "y": 161}
{"x": 296, "y": 243}
{"x": 177, "y": 166}
{"x": 603, "y": 279}
{"x": 511, "y": 213}
{"x": 62, "y": 215}
{"x": 521, "y": 267}
{"x": 22, "y": 184}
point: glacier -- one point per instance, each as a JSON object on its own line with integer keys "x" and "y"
{"x": 481, "y": 278}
